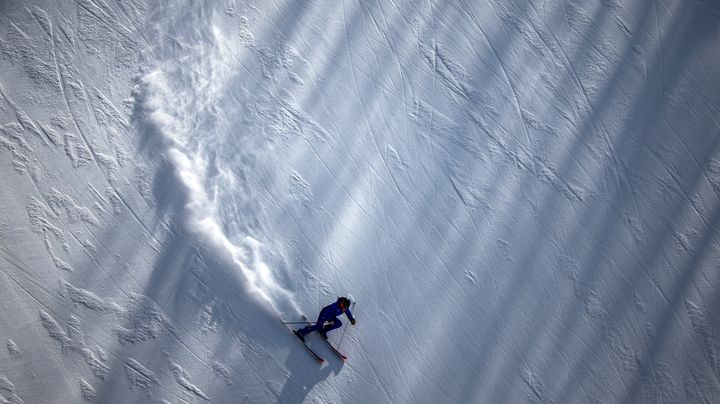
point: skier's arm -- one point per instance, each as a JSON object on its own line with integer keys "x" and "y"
{"x": 350, "y": 316}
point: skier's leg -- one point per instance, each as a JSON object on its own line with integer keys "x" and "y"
{"x": 304, "y": 331}
{"x": 332, "y": 324}
{"x": 320, "y": 323}
{"x": 310, "y": 328}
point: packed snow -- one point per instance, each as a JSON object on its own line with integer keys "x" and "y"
{"x": 522, "y": 198}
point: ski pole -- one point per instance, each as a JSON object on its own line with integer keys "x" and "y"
{"x": 298, "y": 322}
{"x": 345, "y": 329}
{"x": 342, "y": 337}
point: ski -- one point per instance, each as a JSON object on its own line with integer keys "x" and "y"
{"x": 343, "y": 357}
{"x": 319, "y": 358}
{"x": 338, "y": 353}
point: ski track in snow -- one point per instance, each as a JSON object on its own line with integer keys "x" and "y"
{"x": 524, "y": 198}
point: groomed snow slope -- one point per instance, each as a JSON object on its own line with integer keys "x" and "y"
{"x": 523, "y": 197}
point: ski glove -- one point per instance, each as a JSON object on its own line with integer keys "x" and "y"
{"x": 353, "y": 322}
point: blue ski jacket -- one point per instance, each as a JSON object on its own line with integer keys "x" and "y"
{"x": 332, "y": 311}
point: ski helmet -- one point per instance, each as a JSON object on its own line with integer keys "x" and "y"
{"x": 344, "y": 301}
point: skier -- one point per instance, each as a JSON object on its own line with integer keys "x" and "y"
{"x": 328, "y": 319}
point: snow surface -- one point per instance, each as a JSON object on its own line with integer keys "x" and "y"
{"x": 522, "y": 196}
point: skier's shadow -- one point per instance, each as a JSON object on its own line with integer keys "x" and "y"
{"x": 305, "y": 373}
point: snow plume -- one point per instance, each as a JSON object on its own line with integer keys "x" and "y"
{"x": 186, "y": 103}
